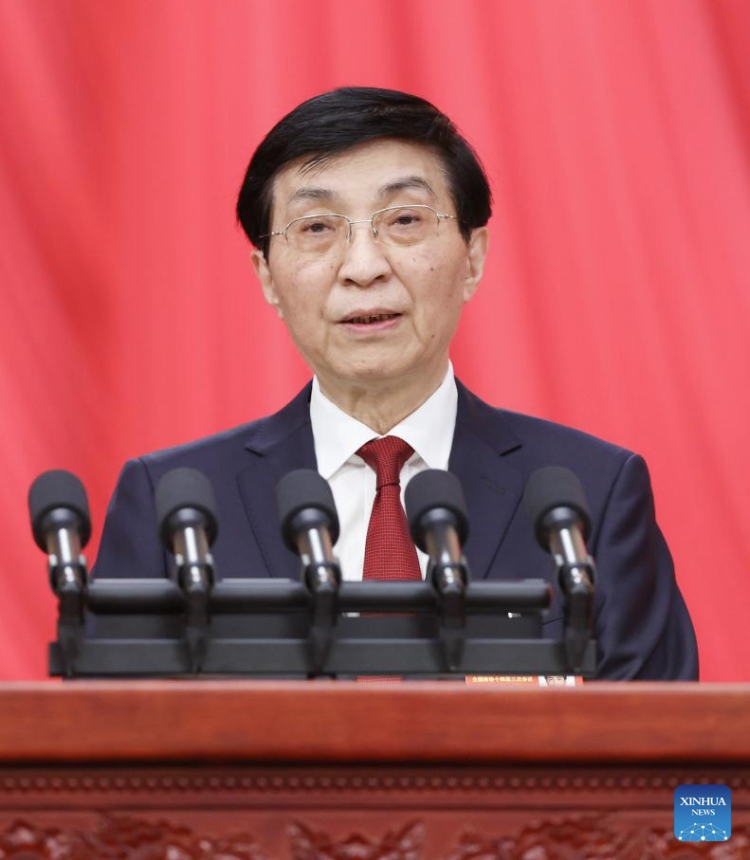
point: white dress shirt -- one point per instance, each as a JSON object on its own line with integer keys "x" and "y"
{"x": 337, "y": 436}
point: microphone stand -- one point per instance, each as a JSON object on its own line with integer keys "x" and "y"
{"x": 196, "y": 575}
{"x": 321, "y": 574}
{"x": 576, "y": 574}
{"x": 448, "y": 571}
{"x": 68, "y": 576}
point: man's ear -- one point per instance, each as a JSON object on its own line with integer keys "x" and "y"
{"x": 476, "y": 254}
{"x": 266, "y": 280}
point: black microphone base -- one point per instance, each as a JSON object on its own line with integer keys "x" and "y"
{"x": 152, "y": 645}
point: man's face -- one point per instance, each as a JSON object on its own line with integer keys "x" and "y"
{"x": 328, "y": 299}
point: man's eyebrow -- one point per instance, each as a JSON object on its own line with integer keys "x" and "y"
{"x": 310, "y": 192}
{"x": 406, "y": 182}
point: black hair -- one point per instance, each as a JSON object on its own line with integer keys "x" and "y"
{"x": 333, "y": 122}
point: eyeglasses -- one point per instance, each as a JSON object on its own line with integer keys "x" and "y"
{"x": 396, "y": 225}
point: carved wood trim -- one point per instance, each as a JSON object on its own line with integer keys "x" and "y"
{"x": 573, "y": 837}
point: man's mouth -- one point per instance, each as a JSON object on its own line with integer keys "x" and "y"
{"x": 369, "y": 319}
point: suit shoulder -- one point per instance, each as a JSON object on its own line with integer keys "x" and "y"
{"x": 232, "y": 439}
{"x": 532, "y": 442}
{"x": 599, "y": 465}
{"x": 542, "y": 432}
{"x": 255, "y": 436}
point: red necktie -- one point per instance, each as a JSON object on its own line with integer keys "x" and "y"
{"x": 389, "y": 552}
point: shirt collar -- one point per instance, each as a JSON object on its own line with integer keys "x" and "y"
{"x": 429, "y": 429}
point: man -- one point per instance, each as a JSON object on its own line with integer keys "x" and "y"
{"x": 368, "y": 214}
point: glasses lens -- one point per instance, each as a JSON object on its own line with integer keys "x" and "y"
{"x": 316, "y": 233}
{"x": 406, "y": 225}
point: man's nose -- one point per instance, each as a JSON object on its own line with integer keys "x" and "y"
{"x": 364, "y": 261}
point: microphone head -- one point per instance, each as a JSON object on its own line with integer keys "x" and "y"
{"x": 181, "y": 489}
{"x": 300, "y": 490}
{"x": 58, "y": 490}
{"x": 555, "y": 488}
{"x": 430, "y": 490}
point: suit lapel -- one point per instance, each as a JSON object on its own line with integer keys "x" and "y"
{"x": 491, "y": 486}
{"x": 278, "y": 444}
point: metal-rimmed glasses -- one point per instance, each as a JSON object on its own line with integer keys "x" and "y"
{"x": 395, "y": 225}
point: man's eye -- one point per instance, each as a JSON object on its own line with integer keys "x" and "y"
{"x": 405, "y": 219}
{"x": 317, "y": 227}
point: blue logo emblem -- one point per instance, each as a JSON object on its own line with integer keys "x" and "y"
{"x": 702, "y": 813}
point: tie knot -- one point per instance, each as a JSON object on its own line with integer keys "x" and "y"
{"x": 386, "y": 456}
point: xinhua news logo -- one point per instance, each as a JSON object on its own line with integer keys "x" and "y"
{"x": 702, "y": 813}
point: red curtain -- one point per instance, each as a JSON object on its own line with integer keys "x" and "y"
{"x": 617, "y": 297}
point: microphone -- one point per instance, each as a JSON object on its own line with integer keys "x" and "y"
{"x": 186, "y": 514}
{"x": 556, "y": 505}
{"x": 61, "y": 526}
{"x": 436, "y": 511}
{"x": 310, "y": 526}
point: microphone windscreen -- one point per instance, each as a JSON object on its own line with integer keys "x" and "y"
{"x": 431, "y": 489}
{"x": 54, "y": 490}
{"x": 553, "y": 487}
{"x": 185, "y": 488}
{"x": 300, "y": 490}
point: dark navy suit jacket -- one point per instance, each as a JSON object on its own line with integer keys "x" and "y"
{"x": 642, "y": 625}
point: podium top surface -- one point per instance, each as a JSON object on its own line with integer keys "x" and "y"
{"x": 339, "y": 721}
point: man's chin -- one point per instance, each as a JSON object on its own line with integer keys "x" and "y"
{"x": 374, "y": 372}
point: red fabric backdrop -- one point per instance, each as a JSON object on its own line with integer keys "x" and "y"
{"x": 617, "y": 297}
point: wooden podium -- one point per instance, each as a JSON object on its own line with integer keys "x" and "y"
{"x": 241, "y": 770}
